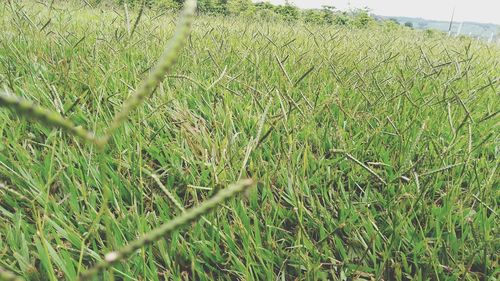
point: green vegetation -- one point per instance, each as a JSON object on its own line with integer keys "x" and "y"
{"x": 375, "y": 147}
{"x": 260, "y": 10}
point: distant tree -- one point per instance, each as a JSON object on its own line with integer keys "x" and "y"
{"x": 329, "y": 8}
{"x": 264, "y": 6}
{"x": 239, "y": 7}
{"x": 409, "y": 24}
{"x": 327, "y": 13}
{"x": 265, "y": 11}
{"x": 149, "y": 3}
{"x": 362, "y": 18}
{"x": 341, "y": 19}
{"x": 287, "y": 12}
{"x": 212, "y": 6}
{"x": 313, "y": 16}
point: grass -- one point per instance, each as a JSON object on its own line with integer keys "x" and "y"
{"x": 376, "y": 150}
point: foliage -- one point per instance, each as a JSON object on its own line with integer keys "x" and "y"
{"x": 164, "y": 4}
{"x": 240, "y": 7}
{"x": 287, "y": 12}
{"x": 266, "y": 15}
{"x": 324, "y": 16}
{"x": 362, "y": 18}
{"x": 212, "y": 6}
{"x": 342, "y": 19}
{"x": 359, "y": 18}
{"x": 312, "y": 16}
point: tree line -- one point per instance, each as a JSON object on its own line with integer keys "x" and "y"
{"x": 266, "y": 11}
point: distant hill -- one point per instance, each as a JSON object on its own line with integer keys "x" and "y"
{"x": 474, "y": 29}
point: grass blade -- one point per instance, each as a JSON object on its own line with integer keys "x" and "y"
{"x": 160, "y": 232}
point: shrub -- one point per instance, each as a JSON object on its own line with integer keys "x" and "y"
{"x": 287, "y": 12}
{"x": 211, "y": 7}
{"x": 341, "y": 19}
{"x": 362, "y": 18}
{"x": 240, "y": 7}
{"x": 312, "y": 16}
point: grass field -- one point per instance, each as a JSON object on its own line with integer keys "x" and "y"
{"x": 375, "y": 151}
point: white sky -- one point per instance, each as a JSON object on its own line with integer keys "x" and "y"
{"x": 486, "y": 11}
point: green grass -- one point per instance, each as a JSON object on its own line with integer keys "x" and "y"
{"x": 376, "y": 150}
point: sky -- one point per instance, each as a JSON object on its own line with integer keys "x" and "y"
{"x": 485, "y": 11}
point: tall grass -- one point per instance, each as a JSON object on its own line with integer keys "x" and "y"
{"x": 160, "y": 232}
{"x": 376, "y": 149}
{"x": 147, "y": 87}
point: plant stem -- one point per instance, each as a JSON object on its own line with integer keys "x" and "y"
{"x": 162, "y": 231}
